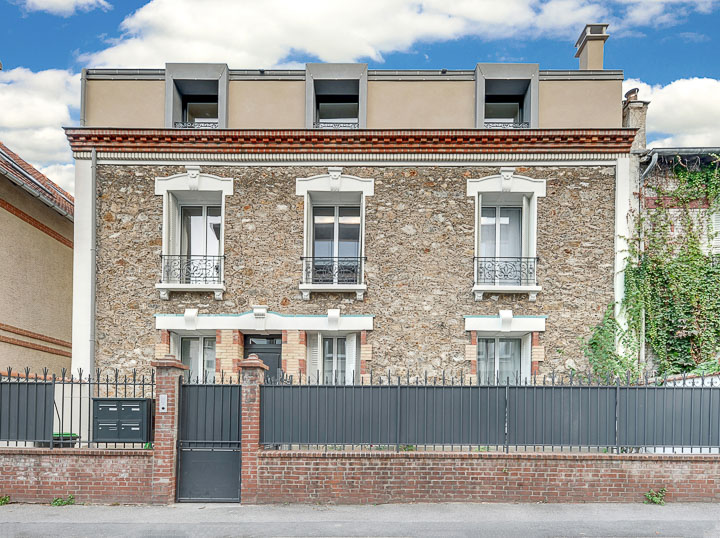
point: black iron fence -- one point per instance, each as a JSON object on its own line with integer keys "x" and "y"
{"x": 105, "y": 410}
{"x": 192, "y": 269}
{"x": 508, "y": 271}
{"x": 318, "y": 270}
{"x": 540, "y": 414}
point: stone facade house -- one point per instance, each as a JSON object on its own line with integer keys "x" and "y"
{"x": 339, "y": 220}
{"x": 36, "y": 243}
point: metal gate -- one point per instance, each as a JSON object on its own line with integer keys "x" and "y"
{"x": 209, "y": 449}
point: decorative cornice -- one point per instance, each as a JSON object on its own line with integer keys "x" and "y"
{"x": 352, "y": 142}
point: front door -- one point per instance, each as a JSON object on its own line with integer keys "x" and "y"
{"x": 269, "y": 349}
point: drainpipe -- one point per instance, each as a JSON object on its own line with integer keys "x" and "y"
{"x": 93, "y": 254}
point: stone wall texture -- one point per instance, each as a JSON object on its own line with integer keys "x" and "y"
{"x": 419, "y": 272}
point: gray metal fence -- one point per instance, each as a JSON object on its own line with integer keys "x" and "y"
{"x": 539, "y": 415}
{"x": 104, "y": 409}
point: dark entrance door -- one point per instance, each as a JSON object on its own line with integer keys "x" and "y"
{"x": 269, "y": 349}
{"x": 209, "y": 443}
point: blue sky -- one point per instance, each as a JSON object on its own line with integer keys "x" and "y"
{"x": 669, "y": 48}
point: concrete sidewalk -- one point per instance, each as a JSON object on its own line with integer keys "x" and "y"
{"x": 500, "y": 520}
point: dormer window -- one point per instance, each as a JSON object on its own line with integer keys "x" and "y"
{"x": 507, "y": 96}
{"x": 196, "y": 96}
{"x": 337, "y": 104}
{"x": 335, "y": 96}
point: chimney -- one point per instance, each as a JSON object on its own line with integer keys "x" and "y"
{"x": 634, "y": 114}
{"x": 590, "y": 46}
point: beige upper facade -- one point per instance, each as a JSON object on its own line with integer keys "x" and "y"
{"x": 347, "y": 96}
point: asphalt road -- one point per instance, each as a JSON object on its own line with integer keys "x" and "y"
{"x": 501, "y": 520}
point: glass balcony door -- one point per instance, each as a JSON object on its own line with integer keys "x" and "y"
{"x": 200, "y": 243}
{"x": 336, "y": 245}
{"x": 500, "y": 245}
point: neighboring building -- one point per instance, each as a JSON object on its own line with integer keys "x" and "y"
{"x": 36, "y": 244}
{"x": 338, "y": 220}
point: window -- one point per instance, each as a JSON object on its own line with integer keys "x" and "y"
{"x": 192, "y": 236}
{"x": 196, "y": 96}
{"x": 333, "y": 257}
{"x": 200, "y": 110}
{"x": 335, "y": 245}
{"x": 198, "y": 354}
{"x": 715, "y": 229}
{"x": 499, "y": 359}
{"x": 335, "y": 96}
{"x": 506, "y": 96}
{"x": 506, "y": 233}
{"x": 333, "y": 357}
{"x": 337, "y": 104}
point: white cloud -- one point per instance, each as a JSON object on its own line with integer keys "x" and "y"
{"x": 35, "y": 107}
{"x": 685, "y": 112}
{"x": 64, "y": 7}
{"x": 62, "y": 174}
{"x": 247, "y": 33}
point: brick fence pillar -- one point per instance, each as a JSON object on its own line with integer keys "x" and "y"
{"x": 167, "y": 389}
{"x": 252, "y": 374}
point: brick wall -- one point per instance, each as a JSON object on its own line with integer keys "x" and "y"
{"x": 91, "y": 476}
{"x": 310, "y": 477}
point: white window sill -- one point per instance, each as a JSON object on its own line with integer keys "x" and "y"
{"x": 480, "y": 289}
{"x": 358, "y": 289}
{"x": 165, "y": 289}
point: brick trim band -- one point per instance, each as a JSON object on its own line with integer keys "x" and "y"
{"x": 460, "y": 141}
{"x": 37, "y": 347}
{"x": 36, "y": 336}
{"x": 35, "y": 223}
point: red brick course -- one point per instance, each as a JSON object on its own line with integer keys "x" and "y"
{"x": 37, "y": 475}
{"x": 372, "y": 477}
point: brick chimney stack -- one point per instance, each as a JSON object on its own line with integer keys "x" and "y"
{"x": 591, "y": 45}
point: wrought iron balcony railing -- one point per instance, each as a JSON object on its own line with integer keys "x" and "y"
{"x": 507, "y": 125}
{"x": 189, "y": 269}
{"x": 196, "y": 125}
{"x": 336, "y": 125}
{"x": 332, "y": 270}
{"x": 506, "y": 271}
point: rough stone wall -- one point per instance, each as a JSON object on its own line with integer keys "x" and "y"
{"x": 419, "y": 246}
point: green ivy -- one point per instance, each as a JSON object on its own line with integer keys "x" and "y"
{"x": 672, "y": 287}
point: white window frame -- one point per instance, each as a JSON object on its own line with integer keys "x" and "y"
{"x": 333, "y": 189}
{"x": 715, "y": 230}
{"x": 176, "y": 345}
{"x": 525, "y": 353}
{"x": 186, "y": 189}
{"x": 316, "y": 362}
{"x": 508, "y": 189}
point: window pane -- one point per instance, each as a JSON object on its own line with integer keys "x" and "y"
{"x": 486, "y": 361}
{"x": 502, "y": 112}
{"x": 209, "y": 357}
{"x": 340, "y": 363}
{"x": 193, "y": 233}
{"x": 487, "y": 232}
{"x": 349, "y": 232}
{"x": 338, "y": 112}
{"x": 328, "y": 360}
{"x": 213, "y": 231}
{"x": 202, "y": 112}
{"x": 323, "y": 232}
{"x": 509, "y": 359}
{"x": 510, "y": 232}
{"x": 190, "y": 354}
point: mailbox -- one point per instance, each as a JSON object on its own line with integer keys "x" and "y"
{"x": 122, "y": 420}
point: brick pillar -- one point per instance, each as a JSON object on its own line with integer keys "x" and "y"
{"x": 537, "y": 354}
{"x": 252, "y": 372}
{"x": 228, "y": 353}
{"x": 167, "y": 385}
{"x": 471, "y": 358}
{"x": 294, "y": 353}
{"x": 162, "y": 344}
{"x": 365, "y": 357}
